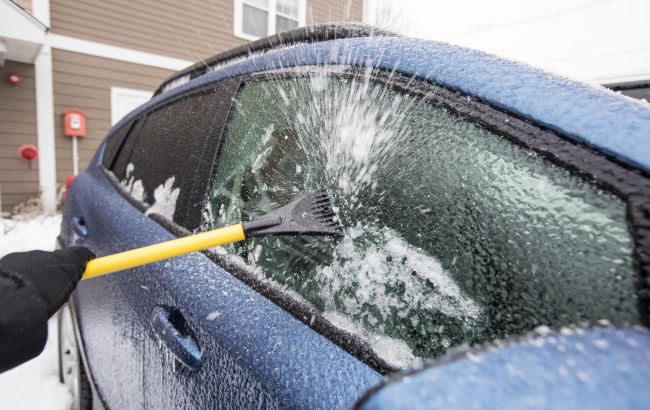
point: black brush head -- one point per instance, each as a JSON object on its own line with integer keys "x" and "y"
{"x": 310, "y": 214}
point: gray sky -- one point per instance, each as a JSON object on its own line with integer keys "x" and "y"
{"x": 600, "y": 41}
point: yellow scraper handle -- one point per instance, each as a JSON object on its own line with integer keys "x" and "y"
{"x": 163, "y": 250}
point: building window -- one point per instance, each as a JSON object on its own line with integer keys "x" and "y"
{"x": 260, "y": 18}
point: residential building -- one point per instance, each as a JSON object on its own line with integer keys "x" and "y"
{"x": 106, "y": 57}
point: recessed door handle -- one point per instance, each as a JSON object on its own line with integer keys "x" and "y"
{"x": 168, "y": 325}
{"x": 79, "y": 226}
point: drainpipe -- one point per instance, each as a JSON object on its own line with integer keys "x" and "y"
{"x": 45, "y": 113}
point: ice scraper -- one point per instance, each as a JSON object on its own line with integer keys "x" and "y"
{"x": 310, "y": 214}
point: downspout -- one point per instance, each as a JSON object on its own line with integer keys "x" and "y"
{"x": 45, "y": 113}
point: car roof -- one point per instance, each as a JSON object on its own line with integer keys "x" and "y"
{"x": 613, "y": 124}
{"x": 302, "y": 35}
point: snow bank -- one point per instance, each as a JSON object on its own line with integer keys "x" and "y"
{"x": 22, "y": 233}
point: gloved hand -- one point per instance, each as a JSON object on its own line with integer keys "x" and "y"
{"x": 54, "y": 274}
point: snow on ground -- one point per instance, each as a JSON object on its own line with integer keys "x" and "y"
{"x": 35, "y": 384}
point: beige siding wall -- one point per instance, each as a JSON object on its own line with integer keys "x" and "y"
{"x": 26, "y": 4}
{"x": 84, "y": 82}
{"x": 323, "y": 11}
{"x": 191, "y": 29}
{"x": 18, "y": 179}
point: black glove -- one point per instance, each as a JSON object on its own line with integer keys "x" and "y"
{"x": 54, "y": 274}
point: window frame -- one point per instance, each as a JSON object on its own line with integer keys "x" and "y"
{"x": 603, "y": 170}
{"x": 238, "y": 27}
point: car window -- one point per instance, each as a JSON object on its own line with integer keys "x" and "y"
{"x": 453, "y": 234}
{"x": 160, "y": 163}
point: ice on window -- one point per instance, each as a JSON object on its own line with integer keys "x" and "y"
{"x": 453, "y": 234}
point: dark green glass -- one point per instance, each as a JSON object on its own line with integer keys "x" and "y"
{"x": 453, "y": 234}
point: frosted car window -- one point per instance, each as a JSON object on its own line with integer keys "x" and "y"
{"x": 164, "y": 161}
{"x": 453, "y": 234}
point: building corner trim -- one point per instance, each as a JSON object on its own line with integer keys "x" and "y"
{"x": 44, "y": 90}
{"x": 45, "y": 128}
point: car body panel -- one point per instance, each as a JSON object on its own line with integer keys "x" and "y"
{"x": 598, "y": 368}
{"x": 254, "y": 353}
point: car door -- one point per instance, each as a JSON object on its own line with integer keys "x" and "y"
{"x": 147, "y": 171}
{"x": 463, "y": 224}
{"x": 211, "y": 341}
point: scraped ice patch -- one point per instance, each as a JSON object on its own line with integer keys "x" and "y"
{"x": 385, "y": 286}
{"x": 165, "y": 197}
{"x": 394, "y": 351}
{"x": 386, "y": 261}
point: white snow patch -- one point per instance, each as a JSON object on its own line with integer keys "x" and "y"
{"x": 133, "y": 186}
{"x": 35, "y": 384}
{"x": 23, "y": 233}
{"x": 165, "y": 197}
{"x": 213, "y": 315}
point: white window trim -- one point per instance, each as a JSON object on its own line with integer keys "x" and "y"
{"x": 117, "y": 91}
{"x": 112, "y": 52}
{"x": 238, "y": 16}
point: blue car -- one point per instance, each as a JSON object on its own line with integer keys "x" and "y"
{"x": 496, "y": 246}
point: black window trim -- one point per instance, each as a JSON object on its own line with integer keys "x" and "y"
{"x": 607, "y": 172}
{"x": 114, "y": 134}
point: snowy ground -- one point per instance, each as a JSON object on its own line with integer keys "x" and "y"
{"x": 35, "y": 384}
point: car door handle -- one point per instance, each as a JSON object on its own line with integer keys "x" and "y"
{"x": 168, "y": 326}
{"x": 79, "y": 226}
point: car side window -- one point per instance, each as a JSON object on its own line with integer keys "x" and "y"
{"x": 160, "y": 163}
{"x": 453, "y": 234}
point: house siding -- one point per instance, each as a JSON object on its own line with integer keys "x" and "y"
{"x": 326, "y": 11}
{"x": 26, "y": 4}
{"x": 18, "y": 179}
{"x": 164, "y": 27}
{"x": 84, "y": 82}
{"x": 189, "y": 30}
